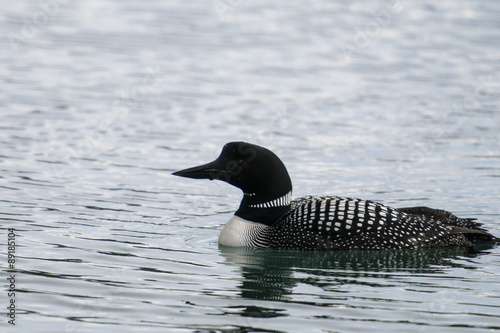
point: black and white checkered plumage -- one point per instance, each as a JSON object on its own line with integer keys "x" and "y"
{"x": 337, "y": 223}
{"x": 269, "y": 218}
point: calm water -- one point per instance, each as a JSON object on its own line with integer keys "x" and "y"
{"x": 102, "y": 100}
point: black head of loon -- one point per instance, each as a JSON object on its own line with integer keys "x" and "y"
{"x": 258, "y": 172}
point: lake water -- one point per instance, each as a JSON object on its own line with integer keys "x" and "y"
{"x": 396, "y": 102}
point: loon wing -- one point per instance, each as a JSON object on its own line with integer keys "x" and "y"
{"x": 338, "y": 223}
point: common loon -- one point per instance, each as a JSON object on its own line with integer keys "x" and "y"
{"x": 269, "y": 218}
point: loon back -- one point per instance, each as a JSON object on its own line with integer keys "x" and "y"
{"x": 268, "y": 218}
{"x": 337, "y": 223}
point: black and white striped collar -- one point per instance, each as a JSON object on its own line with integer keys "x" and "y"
{"x": 278, "y": 202}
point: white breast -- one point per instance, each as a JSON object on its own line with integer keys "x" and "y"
{"x": 239, "y": 232}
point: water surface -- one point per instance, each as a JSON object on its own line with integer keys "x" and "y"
{"x": 101, "y": 100}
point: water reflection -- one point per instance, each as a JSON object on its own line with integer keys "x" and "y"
{"x": 272, "y": 274}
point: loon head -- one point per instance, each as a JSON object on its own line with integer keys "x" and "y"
{"x": 257, "y": 171}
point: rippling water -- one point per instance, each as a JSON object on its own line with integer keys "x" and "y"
{"x": 101, "y": 100}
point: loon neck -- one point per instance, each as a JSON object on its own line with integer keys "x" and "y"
{"x": 264, "y": 210}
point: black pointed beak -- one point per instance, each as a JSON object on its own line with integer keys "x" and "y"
{"x": 206, "y": 171}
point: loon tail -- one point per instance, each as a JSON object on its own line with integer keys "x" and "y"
{"x": 475, "y": 236}
{"x": 468, "y": 227}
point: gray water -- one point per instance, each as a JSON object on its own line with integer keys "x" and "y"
{"x": 102, "y": 100}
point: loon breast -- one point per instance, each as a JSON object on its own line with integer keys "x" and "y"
{"x": 238, "y": 232}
